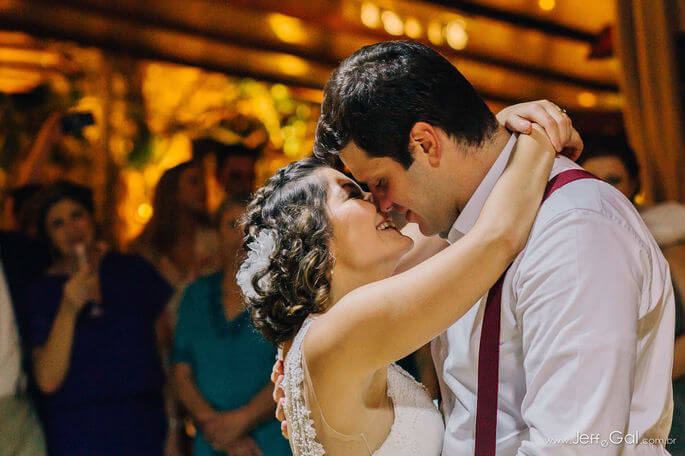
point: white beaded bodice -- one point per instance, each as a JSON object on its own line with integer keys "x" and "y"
{"x": 417, "y": 429}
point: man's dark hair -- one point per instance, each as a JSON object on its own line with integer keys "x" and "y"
{"x": 377, "y": 94}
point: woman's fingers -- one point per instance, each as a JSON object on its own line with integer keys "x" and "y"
{"x": 574, "y": 147}
{"x": 284, "y": 430}
{"x": 518, "y": 124}
{"x": 277, "y": 370}
{"x": 563, "y": 123}
{"x": 549, "y": 123}
{"x": 280, "y": 411}
{"x": 278, "y": 393}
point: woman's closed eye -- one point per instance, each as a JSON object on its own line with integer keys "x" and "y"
{"x": 355, "y": 192}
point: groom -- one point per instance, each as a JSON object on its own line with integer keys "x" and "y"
{"x": 587, "y": 309}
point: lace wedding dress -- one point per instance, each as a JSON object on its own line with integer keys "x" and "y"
{"x": 417, "y": 429}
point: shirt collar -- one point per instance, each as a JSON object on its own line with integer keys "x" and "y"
{"x": 468, "y": 216}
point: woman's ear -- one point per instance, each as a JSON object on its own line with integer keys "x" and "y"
{"x": 424, "y": 144}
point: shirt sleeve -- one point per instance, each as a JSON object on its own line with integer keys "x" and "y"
{"x": 579, "y": 287}
{"x": 183, "y": 335}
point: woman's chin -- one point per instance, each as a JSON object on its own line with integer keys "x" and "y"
{"x": 404, "y": 244}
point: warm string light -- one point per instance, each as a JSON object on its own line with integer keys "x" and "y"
{"x": 587, "y": 99}
{"x": 435, "y": 33}
{"x": 412, "y": 27}
{"x": 392, "y": 23}
{"x": 547, "y": 5}
{"x": 453, "y": 32}
{"x": 371, "y": 15}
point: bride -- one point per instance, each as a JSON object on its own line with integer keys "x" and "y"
{"x": 318, "y": 278}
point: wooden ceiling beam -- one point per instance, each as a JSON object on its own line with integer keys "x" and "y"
{"x": 519, "y": 20}
{"x": 118, "y": 34}
{"x": 321, "y": 55}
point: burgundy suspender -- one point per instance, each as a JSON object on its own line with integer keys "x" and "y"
{"x": 488, "y": 356}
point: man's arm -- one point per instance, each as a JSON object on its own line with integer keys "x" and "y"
{"x": 579, "y": 285}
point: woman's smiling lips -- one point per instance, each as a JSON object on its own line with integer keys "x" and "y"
{"x": 386, "y": 224}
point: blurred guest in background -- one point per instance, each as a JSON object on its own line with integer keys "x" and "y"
{"x": 236, "y": 169}
{"x": 25, "y": 209}
{"x": 615, "y": 162}
{"x": 181, "y": 243}
{"x": 92, "y": 329}
{"x": 612, "y": 160}
{"x": 666, "y": 221}
{"x": 235, "y": 164}
{"x": 179, "y": 239}
{"x": 221, "y": 364}
{"x": 20, "y": 431}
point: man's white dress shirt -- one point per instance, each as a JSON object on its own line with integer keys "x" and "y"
{"x": 10, "y": 349}
{"x": 587, "y": 332}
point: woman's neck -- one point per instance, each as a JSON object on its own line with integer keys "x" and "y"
{"x": 345, "y": 279}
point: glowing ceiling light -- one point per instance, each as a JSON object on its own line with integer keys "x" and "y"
{"x": 455, "y": 34}
{"x": 370, "y": 15}
{"x": 547, "y": 5}
{"x": 392, "y": 23}
{"x": 287, "y": 28}
{"x": 412, "y": 28}
{"x": 434, "y": 33}
{"x": 587, "y": 99}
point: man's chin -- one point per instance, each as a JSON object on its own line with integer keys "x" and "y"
{"x": 426, "y": 230}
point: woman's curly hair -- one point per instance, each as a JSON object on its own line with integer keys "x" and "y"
{"x": 292, "y": 206}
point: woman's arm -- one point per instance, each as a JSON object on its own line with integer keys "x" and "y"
{"x": 189, "y": 394}
{"x": 33, "y": 168}
{"x": 382, "y": 322}
{"x": 260, "y": 408}
{"x": 51, "y": 361}
{"x": 228, "y": 426}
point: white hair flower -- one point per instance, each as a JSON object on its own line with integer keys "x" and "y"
{"x": 258, "y": 258}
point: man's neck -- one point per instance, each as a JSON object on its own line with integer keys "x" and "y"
{"x": 486, "y": 154}
{"x": 481, "y": 160}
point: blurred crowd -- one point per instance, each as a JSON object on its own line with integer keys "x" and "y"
{"x": 149, "y": 351}
{"x": 143, "y": 351}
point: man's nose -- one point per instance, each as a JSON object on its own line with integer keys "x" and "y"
{"x": 383, "y": 203}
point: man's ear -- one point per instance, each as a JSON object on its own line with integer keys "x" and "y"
{"x": 423, "y": 139}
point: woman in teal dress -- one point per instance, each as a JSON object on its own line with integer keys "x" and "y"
{"x": 221, "y": 365}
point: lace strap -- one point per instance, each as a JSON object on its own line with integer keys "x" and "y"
{"x": 302, "y": 432}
